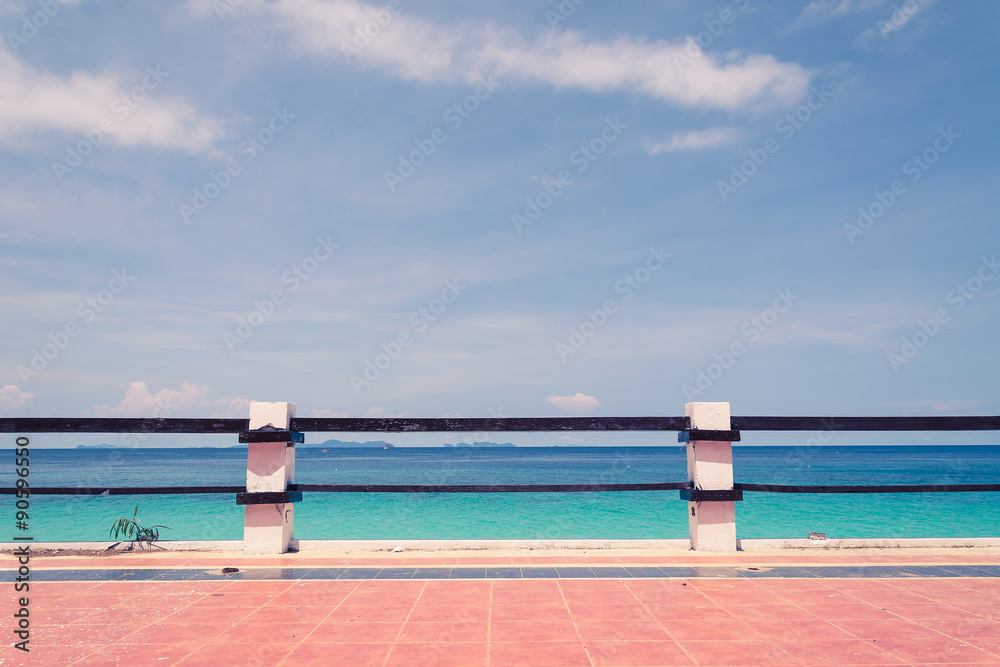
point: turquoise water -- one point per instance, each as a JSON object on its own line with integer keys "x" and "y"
{"x": 620, "y": 515}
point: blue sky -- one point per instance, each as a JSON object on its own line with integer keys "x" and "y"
{"x": 514, "y": 208}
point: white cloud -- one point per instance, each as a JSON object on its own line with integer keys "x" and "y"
{"x": 231, "y": 408}
{"x": 891, "y": 22}
{"x": 577, "y": 403}
{"x": 825, "y": 10}
{"x": 21, "y": 8}
{"x": 13, "y": 399}
{"x": 330, "y": 414}
{"x": 189, "y": 400}
{"x": 34, "y": 101}
{"x": 139, "y": 402}
{"x": 710, "y": 138}
{"x": 941, "y": 407}
{"x": 417, "y": 49}
{"x": 376, "y": 412}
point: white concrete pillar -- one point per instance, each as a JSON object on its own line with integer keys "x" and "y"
{"x": 711, "y": 524}
{"x": 270, "y": 468}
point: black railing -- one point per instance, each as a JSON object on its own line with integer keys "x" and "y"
{"x": 866, "y": 423}
{"x": 502, "y": 424}
{"x": 488, "y": 424}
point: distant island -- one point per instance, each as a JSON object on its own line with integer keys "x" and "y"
{"x": 334, "y": 444}
{"x": 340, "y": 444}
{"x": 330, "y": 444}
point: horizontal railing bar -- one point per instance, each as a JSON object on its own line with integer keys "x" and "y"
{"x": 120, "y": 425}
{"x": 865, "y": 423}
{"x": 484, "y": 488}
{"x": 890, "y": 488}
{"x": 505, "y": 488}
{"x": 334, "y": 424}
{"x": 489, "y": 424}
{"x": 355, "y": 488}
{"x": 123, "y": 490}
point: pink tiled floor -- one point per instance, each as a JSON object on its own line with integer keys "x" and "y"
{"x": 723, "y": 622}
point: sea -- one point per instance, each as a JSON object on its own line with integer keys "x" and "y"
{"x": 602, "y": 515}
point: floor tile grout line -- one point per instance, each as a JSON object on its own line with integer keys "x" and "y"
{"x": 936, "y": 602}
{"x": 576, "y": 628}
{"x": 323, "y": 620}
{"x": 233, "y": 586}
{"x": 897, "y": 616}
{"x": 489, "y": 624}
{"x": 769, "y": 641}
{"x": 663, "y": 626}
{"x": 907, "y": 620}
{"x": 399, "y": 633}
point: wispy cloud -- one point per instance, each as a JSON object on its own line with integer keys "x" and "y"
{"x": 820, "y": 11}
{"x": 329, "y": 414}
{"x": 891, "y": 22}
{"x": 21, "y": 7}
{"x": 577, "y": 403}
{"x": 709, "y": 138}
{"x": 139, "y": 402}
{"x": 376, "y": 412}
{"x": 12, "y": 399}
{"x": 417, "y": 49}
{"x": 945, "y": 406}
{"x": 189, "y": 399}
{"x": 33, "y": 101}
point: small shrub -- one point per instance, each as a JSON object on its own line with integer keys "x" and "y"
{"x": 133, "y": 531}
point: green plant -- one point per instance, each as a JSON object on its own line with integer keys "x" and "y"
{"x": 133, "y": 531}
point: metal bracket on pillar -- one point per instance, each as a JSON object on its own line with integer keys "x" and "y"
{"x": 272, "y": 435}
{"x": 695, "y": 435}
{"x": 268, "y": 498}
{"x": 701, "y": 495}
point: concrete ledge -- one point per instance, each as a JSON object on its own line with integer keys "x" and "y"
{"x": 870, "y": 543}
{"x": 522, "y": 545}
{"x": 478, "y": 545}
{"x": 165, "y": 545}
